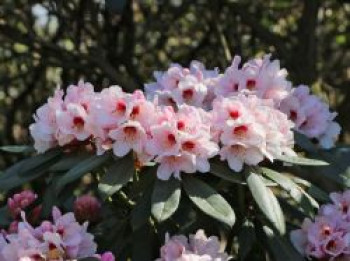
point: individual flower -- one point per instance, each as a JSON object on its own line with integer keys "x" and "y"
{"x": 18, "y": 202}
{"x": 311, "y": 116}
{"x": 197, "y": 247}
{"x": 87, "y": 208}
{"x": 44, "y": 129}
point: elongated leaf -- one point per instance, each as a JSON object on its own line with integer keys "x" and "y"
{"x": 81, "y": 169}
{"x": 246, "y": 239}
{"x": 68, "y": 162}
{"x": 279, "y": 247}
{"x": 142, "y": 211}
{"x": 5, "y": 219}
{"x": 89, "y": 259}
{"x": 209, "y": 201}
{"x": 266, "y": 201}
{"x": 295, "y": 191}
{"x": 302, "y": 161}
{"x": 27, "y": 170}
{"x": 17, "y": 149}
{"x": 165, "y": 198}
{"x": 221, "y": 170}
{"x": 120, "y": 173}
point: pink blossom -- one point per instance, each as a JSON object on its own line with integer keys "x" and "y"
{"x": 311, "y": 116}
{"x": 87, "y": 208}
{"x": 44, "y": 129}
{"x": 328, "y": 236}
{"x": 179, "y": 85}
{"x": 72, "y": 124}
{"x": 260, "y": 77}
{"x": 250, "y": 129}
{"x": 198, "y": 248}
{"x": 20, "y": 201}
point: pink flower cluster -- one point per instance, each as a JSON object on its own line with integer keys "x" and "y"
{"x": 187, "y": 115}
{"x": 197, "y": 247}
{"x": 328, "y": 236}
{"x": 18, "y": 202}
{"x": 311, "y": 116}
{"x": 62, "y": 239}
{"x": 260, "y": 77}
{"x": 250, "y": 129}
{"x": 178, "y": 85}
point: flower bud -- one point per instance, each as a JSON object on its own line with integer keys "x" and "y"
{"x": 87, "y": 208}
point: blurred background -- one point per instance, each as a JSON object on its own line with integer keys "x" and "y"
{"x": 50, "y": 42}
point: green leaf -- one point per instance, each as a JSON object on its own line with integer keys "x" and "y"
{"x": 17, "y": 149}
{"x": 302, "y": 161}
{"x": 142, "y": 211}
{"x": 27, "y": 170}
{"x": 246, "y": 239}
{"x": 209, "y": 201}
{"x": 295, "y": 191}
{"x": 221, "y": 170}
{"x": 5, "y": 219}
{"x": 120, "y": 173}
{"x": 318, "y": 193}
{"x": 165, "y": 198}
{"x": 279, "y": 247}
{"x": 89, "y": 259}
{"x": 68, "y": 162}
{"x": 266, "y": 201}
{"x": 81, "y": 169}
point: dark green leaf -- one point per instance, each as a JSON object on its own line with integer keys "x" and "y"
{"x": 304, "y": 142}
{"x": 120, "y": 173}
{"x": 27, "y": 170}
{"x": 295, "y": 191}
{"x": 17, "y": 149}
{"x": 279, "y": 247}
{"x": 89, "y": 259}
{"x": 302, "y": 161}
{"x": 81, "y": 169}
{"x": 246, "y": 240}
{"x": 318, "y": 193}
{"x": 142, "y": 250}
{"x": 266, "y": 201}
{"x": 209, "y": 201}
{"x": 165, "y": 198}
{"x": 5, "y": 219}
{"x": 221, "y": 170}
{"x": 68, "y": 162}
{"x": 142, "y": 210}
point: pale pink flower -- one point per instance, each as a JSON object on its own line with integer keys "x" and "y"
{"x": 44, "y": 129}
{"x": 237, "y": 155}
{"x": 72, "y": 124}
{"x": 174, "y": 165}
{"x": 129, "y": 136}
{"x": 311, "y": 116}
{"x": 198, "y": 248}
{"x": 180, "y": 85}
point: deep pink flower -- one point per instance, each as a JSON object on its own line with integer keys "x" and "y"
{"x": 87, "y": 208}
{"x": 20, "y": 201}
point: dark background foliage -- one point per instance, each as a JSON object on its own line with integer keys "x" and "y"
{"x": 50, "y": 42}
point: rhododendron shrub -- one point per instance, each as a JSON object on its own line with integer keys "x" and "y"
{"x": 220, "y": 153}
